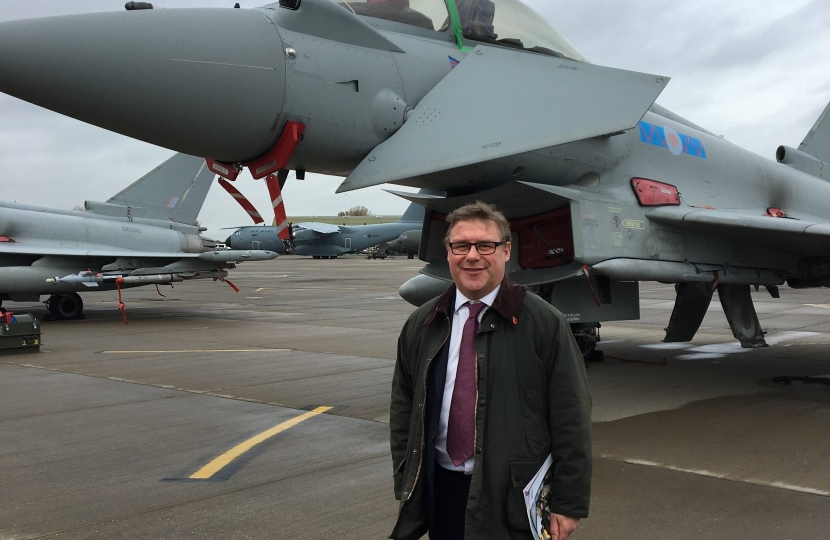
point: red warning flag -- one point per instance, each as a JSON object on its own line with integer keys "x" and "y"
{"x": 280, "y": 219}
{"x": 243, "y": 202}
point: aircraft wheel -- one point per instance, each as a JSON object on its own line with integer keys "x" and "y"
{"x": 587, "y": 337}
{"x": 410, "y": 256}
{"x": 52, "y": 305}
{"x": 65, "y": 307}
{"x": 315, "y": 257}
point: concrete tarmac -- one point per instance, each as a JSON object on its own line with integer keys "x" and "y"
{"x": 102, "y": 432}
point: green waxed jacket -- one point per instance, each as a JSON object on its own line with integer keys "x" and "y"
{"x": 533, "y": 400}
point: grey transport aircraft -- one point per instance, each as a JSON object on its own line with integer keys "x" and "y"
{"x": 407, "y": 243}
{"x": 144, "y": 235}
{"x": 479, "y": 99}
{"x": 324, "y": 240}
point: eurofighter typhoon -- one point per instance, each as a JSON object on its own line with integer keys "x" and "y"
{"x": 478, "y": 99}
{"x": 144, "y": 235}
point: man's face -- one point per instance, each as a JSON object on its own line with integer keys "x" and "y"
{"x": 474, "y": 274}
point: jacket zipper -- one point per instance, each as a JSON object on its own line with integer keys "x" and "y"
{"x": 423, "y": 410}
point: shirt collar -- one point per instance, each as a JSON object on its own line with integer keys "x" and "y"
{"x": 508, "y": 303}
{"x": 460, "y": 299}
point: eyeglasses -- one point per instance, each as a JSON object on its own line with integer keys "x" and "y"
{"x": 483, "y": 248}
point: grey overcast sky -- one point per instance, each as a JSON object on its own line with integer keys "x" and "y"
{"x": 755, "y": 71}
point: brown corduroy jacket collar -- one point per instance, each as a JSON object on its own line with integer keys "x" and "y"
{"x": 508, "y": 302}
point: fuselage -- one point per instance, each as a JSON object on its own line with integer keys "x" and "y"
{"x": 42, "y": 243}
{"x": 308, "y": 242}
{"x": 83, "y": 230}
{"x": 351, "y": 80}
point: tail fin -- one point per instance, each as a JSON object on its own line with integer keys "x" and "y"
{"x": 817, "y": 141}
{"x": 175, "y": 190}
{"x": 415, "y": 213}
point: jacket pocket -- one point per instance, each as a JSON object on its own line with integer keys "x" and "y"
{"x": 521, "y": 473}
{"x": 398, "y": 476}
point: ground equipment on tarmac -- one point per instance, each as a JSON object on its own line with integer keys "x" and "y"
{"x": 19, "y": 333}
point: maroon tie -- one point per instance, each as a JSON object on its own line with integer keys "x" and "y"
{"x": 461, "y": 428}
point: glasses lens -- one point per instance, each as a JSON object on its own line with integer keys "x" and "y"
{"x": 460, "y": 248}
{"x": 486, "y": 248}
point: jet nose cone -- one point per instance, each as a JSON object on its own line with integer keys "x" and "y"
{"x": 206, "y": 82}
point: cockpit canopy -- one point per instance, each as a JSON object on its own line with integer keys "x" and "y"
{"x": 428, "y": 14}
{"x": 502, "y": 22}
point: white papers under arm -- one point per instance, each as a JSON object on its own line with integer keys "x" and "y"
{"x": 532, "y": 494}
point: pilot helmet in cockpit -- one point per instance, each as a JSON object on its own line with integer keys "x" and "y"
{"x": 476, "y": 17}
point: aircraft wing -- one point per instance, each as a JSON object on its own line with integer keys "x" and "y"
{"x": 807, "y": 236}
{"x": 62, "y": 248}
{"x": 499, "y": 103}
{"x": 320, "y": 228}
{"x": 57, "y": 248}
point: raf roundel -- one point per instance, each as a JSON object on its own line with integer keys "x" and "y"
{"x": 673, "y": 141}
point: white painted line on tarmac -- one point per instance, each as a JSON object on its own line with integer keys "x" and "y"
{"x": 721, "y": 350}
{"x": 665, "y": 346}
{"x": 700, "y": 356}
{"x": 719, "y": 476}
{"x": 198, "y": 351}
{"x": 800, "y": 489}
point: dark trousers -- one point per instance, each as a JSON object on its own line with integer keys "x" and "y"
{"x": 449, "y": 505}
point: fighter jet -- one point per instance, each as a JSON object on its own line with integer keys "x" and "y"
{"x": 479, "y": 99}
{"x": 144, "y": 235}
{"x": 324, "y": 240}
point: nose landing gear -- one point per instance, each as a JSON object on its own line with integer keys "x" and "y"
{"x": 587, "y": 337}
{"x": 64, "y": 307}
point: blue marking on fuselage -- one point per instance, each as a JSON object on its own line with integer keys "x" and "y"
{"x": 656, "y": 135}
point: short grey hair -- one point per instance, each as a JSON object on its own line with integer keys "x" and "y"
{"x": 479, "y": 211}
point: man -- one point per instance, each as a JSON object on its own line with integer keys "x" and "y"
{"x": 488, "y": 382}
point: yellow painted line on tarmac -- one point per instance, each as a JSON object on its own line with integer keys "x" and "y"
{"x": 260, "y": 289}
{"x": 198, "y": 351}
{"x": 225, "y": 459}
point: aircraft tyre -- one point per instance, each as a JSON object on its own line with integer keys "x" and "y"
{"x": 410, "y": 256}
{"x": 65, "y": 307}
{"x": 315, "y": 256}
{"x": 587, "y": 337}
